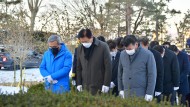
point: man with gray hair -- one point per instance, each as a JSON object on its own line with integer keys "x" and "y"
{"x": 56, "y": 65}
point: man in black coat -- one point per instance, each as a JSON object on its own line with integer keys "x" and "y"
{"x": 74, "y": 68}
{"x": 184, "y": 71}
{"x": 93, "y": 64}
{"x": 115, "y": 55}
{"x": 159, "y": 66}
{"x": 119, "y": 44}
{"x": 171, "y": 73}
{"x": 166, "y": 44}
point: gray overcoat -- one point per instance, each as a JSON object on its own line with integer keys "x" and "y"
{"x": 137, "y": 73}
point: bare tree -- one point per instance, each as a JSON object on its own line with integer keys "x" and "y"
{"x": 58, "y": 21}
{"x": 183, "y": 28}
{"x": 94, "y": 14}
{"x": 34, "y": 6}
{"x": 138, "y": 20}
{"x": 18, "y": 42}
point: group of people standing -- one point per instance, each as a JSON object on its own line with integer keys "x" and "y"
{"x": 129, "y": 67}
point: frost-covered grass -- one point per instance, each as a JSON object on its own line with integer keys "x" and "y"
{"x": 29, "y": 75}
{"x": 8, "y": 90}
{"x": 9, "y": 86}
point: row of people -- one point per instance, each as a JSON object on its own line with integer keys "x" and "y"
{"x": 130, "y": 66}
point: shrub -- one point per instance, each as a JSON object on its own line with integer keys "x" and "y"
{"x": 39, "y": 88}
{"x": 36, "y": 97}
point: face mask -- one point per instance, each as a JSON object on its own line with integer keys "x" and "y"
{"x": 113, "y": 53}
{"x": 55, "y": 51}
{"x": 87, "y": 45}
{"x": 130, "y": 52}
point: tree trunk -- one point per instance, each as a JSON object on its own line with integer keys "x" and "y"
{"x": 32, "y": 21}
{"x": 138, "y": 21}
{"x": 14, "y": 72}
{"x": 118, "y": 33}
{"x": 34, "y": 8}
{"x": 102, "y": 29}
{"x": 157, "y": 28}
{"x": 20, "y": 76}
{"x": 128, "y": 19}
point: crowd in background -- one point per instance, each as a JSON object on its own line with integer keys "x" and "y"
{"x": 128, "y": 66}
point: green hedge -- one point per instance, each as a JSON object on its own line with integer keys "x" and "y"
{"x": 37, "y": 97}
{"x": 39, "y": 88}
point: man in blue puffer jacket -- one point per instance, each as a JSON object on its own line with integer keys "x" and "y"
{"x": 56, "y": 65}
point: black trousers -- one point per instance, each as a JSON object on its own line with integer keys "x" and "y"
{"x": 167, "y": 97}
{"x": 115, "y": 91}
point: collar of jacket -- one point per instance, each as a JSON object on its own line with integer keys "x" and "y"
{"x": 116, "y": 59}
{"x": 138, "y": 49}
{"x": 61, "y": 52}
{"x": 118, "y": 54}
{"x": 166, "y": 52}
{"x": 96, "y": 41}
{"x": 180, "y": 53}
{"x": 136, "y": 53}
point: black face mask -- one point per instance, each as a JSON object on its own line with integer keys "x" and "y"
{"x": 55, "y": 51}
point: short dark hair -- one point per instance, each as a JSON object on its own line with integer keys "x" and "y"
{"x": 111, "y": 44}
{"x": 85, "y": 33}
{"x": 133, "y": 37}
{"x": 159, "y": 48}
{"x": 173, "y": 48}
{"x": 101, "y": 38}
{"x": 166, "y": 43}
{"x": 153, "y": 44}
{"x": 144, "y": 41}
{"x": 119, "y": 42}
{"x": 128, "y": 40}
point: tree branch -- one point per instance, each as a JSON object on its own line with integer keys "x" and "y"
{"x": 137, "y": 22}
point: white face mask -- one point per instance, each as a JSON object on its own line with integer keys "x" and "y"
{"x": 113, "y": 53}
{"x": 87, "y": 45}
{"x": 130, "y": 52}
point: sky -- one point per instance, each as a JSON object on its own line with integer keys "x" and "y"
{"x": 183, "y": 6}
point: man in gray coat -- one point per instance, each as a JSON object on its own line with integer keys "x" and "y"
{"x": 94, "y": 69}
{"x": 136, "y": 71}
